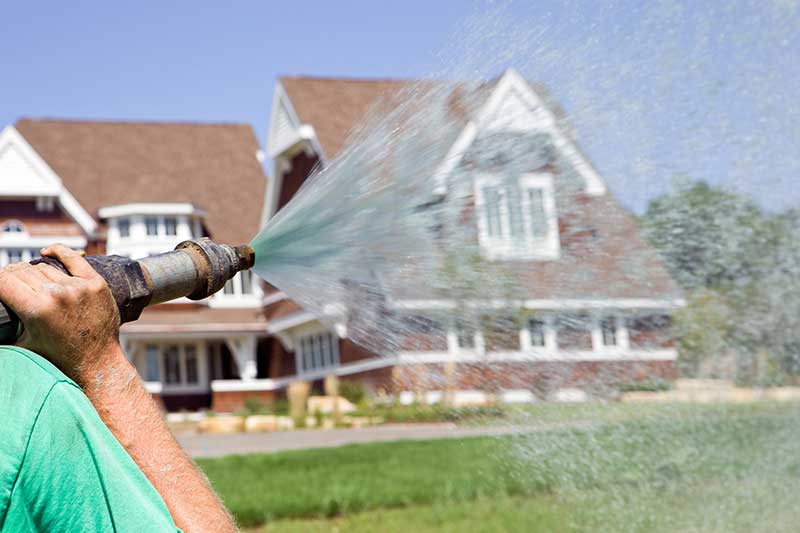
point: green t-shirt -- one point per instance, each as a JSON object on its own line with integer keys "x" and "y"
{"x": 61, "y": 469}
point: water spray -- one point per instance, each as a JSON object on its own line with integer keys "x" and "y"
{"x": 194, "y": 269}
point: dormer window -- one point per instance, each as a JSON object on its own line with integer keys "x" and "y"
{"x": 516, "y": 218}
{"x": 13, "y": 226}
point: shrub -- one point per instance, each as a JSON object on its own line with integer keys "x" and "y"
{"x": 352, "y": 391}
{"x": 651, "y": 385}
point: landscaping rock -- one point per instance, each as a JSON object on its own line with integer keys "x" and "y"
{"x": 285, "y": 423}
{"x": 221, "y": 424}
{"x": 261, "y": 423}
{"x": 325, "y": 405}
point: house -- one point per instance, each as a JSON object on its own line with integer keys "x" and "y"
{"x": 135, "y": 189}
{"x": 598, "y": 298}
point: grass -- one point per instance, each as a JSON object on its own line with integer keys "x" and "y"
{"x": 721, "y": 467}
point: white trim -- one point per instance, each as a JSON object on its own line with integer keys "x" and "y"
{"x": 273, "y": 297}
{"x": 10, "y": 240}
{"x": 546, "y": 304}
{"x": 609, "y": 354}
{"x": 504, "y": 246}
{"x": 302, "y": 133}
{"x": 88, "y": 224}
{"x": 454, "y": 157}
{"x": 150, "y": 208}
{"x": 290, "y": 321}
{"x": 237, "y": 385}
{"x": 153, "y": 387}
{"x": 513, "y": 81}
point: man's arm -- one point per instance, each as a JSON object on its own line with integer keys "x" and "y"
{"x": 74, "y": 322}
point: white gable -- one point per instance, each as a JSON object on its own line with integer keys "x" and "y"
{"x": 515, "y": 106}
{"x": 23, "y": 173}
{"x": 19, "y": 175}
{"x": 514, "y": 113}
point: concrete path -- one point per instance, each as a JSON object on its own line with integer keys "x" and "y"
{"x": 244, "y": 443}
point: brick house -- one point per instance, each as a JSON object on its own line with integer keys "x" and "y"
{"x": 136, "y": 189}
{"x": 599, "y": 299}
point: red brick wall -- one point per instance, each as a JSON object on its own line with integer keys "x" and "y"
{"x": 302, "y": 165}
{"x": 536, "y": 376}
{"x": 227, "y": 402}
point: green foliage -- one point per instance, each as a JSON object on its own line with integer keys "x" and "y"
{"x": 280, "y": 407}
{"x": 741, "y": 268}
{"x": 651, "y": 385}
{"x": 707, "y": 236}
{"x": 352, "y": 391}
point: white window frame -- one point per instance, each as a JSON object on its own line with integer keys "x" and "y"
{"x": 203, "y": 382}
{"x": 329, "y": 359}
{"x": 13, "y": 227}
{"x": 26, "y": 254}
{"x": 504, "y": 247}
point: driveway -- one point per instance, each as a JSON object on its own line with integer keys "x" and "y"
{"x": 206, "y": 445}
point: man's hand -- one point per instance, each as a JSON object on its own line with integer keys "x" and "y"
{"x": 71, "y": 320}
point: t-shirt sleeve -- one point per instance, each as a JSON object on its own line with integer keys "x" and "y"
{"x": 75, "y": 476}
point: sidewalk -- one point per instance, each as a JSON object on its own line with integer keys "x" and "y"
{"x": 244, "y": 443}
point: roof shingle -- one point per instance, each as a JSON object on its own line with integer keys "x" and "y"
{"x": 212, "y": 166}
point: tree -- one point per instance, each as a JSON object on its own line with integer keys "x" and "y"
{"x": 707, "y": 236}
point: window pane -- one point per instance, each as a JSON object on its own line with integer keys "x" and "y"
{"x": 466, "y": 335}
{"x": 172, "y": 365}
{"x": 191, "y": 364}
{"x": 228, "y": 289}
{"x": 536, "y": 331}
{"x": 492, "y": 198}
{"x": 151, "y": 225}
{"x": 247, "y": 282}
{"x": 515, "y": 225}
{"x": 14, "y": 255}
{"x": 151, "y": 371}
{"x": 124, "y": 227}
{"x": 608, "y": 326}
{"x": 538, "y": 215}
{"x": 170, "y": 226}
{"x": 13, "y": 226}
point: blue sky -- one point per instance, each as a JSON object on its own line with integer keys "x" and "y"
{"x": 656, "y": 88}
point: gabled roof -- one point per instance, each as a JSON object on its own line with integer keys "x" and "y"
{"x": 212, "y": 166}
{"x": 336, "y": 106}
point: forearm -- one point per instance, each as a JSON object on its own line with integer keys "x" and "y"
{"x": 134, "y": 418}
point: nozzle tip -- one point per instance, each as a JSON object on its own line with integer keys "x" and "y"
{"x": 247, "y": 257}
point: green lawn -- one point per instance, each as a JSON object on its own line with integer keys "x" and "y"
{"x": 728, "y": 468}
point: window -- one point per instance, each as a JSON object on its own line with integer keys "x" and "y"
{"x": 17, "y": 255}
{"x": 124, "y": 228}
{"x": 247, "y": 282}
{"x": 536, "y": 332}
{"x": 465, "y": 334}
{"x": 517, "y": 218}
{"x": 317, "y": 351}
{"x": 152, "y": 371}
{"x": 608, "y": 327}
{"x": 13, "y": 226}
{"x": 170, "y": 226}
{"x": 14, "y": 255}
{"x": 151, "y": 226}
{"x": 190, "y": 353}
{"x": 492, "y": 201}
{"x": 172, "y": 365}
{"x": 228, "y": 288}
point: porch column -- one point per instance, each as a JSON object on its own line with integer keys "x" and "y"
{"x": 243, "y": 350}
